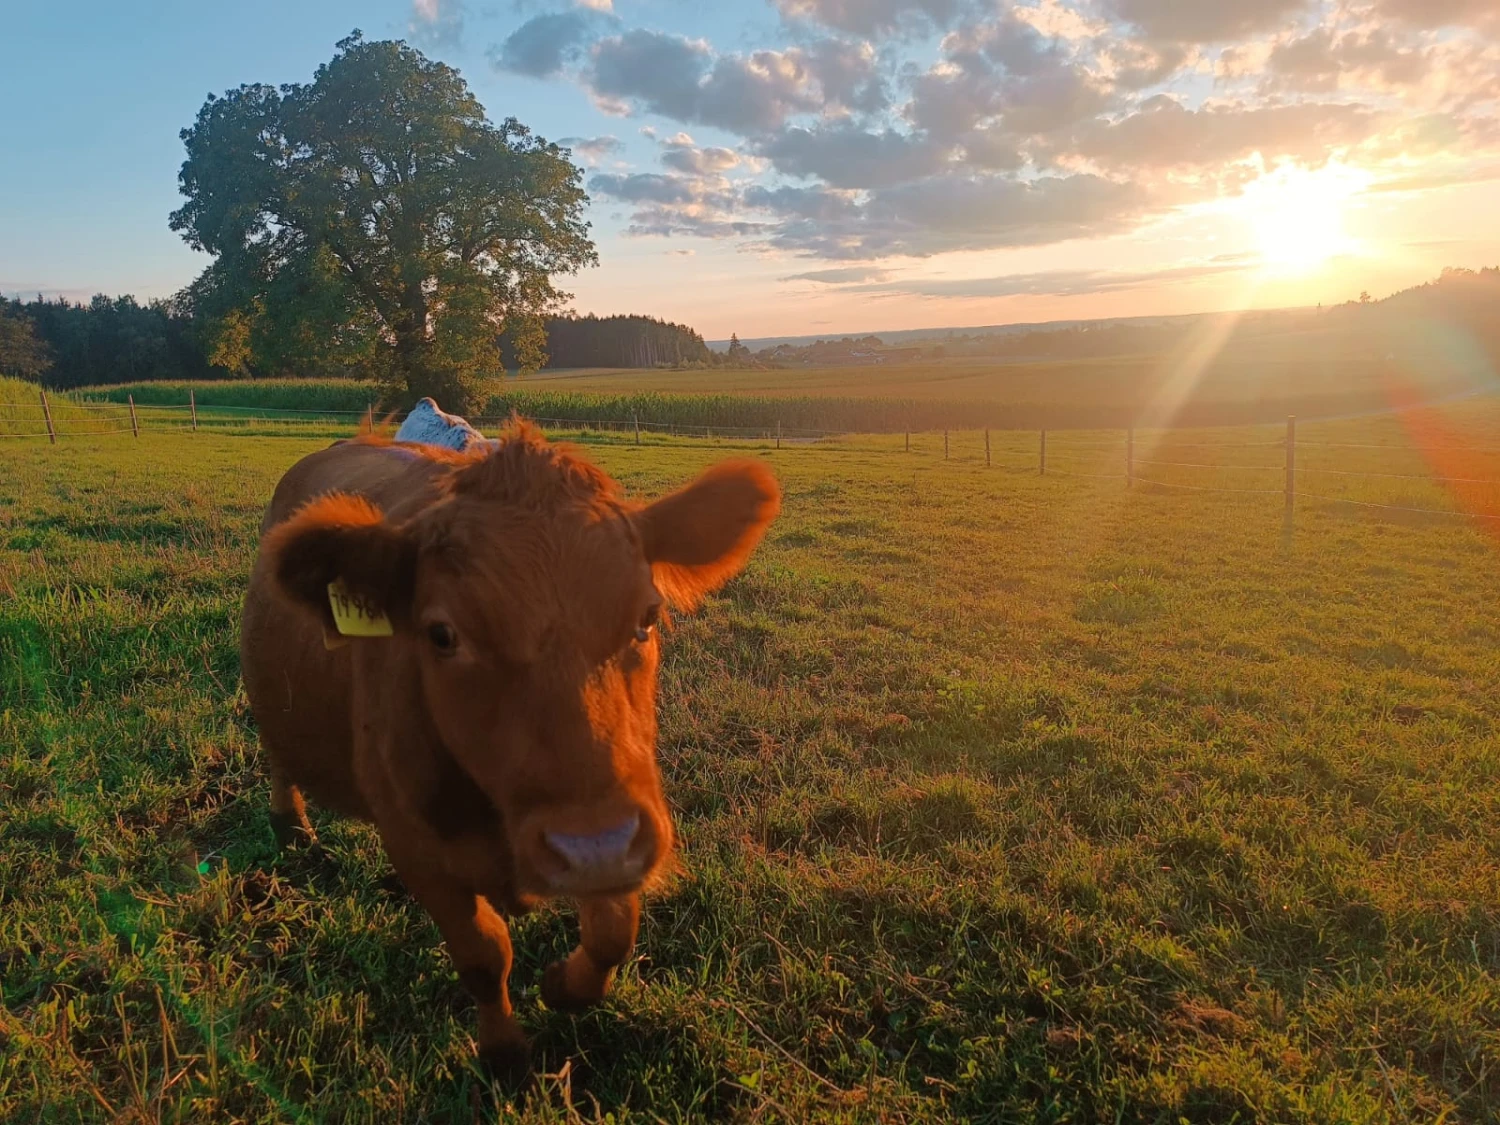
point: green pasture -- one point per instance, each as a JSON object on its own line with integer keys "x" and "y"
{"x": 1003, "y": 798}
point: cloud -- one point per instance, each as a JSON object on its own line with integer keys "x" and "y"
{"x": 592, "y": 149}
{"x": 682, "y": 155}
{"x": 872, "y": 18}
{"x": 686, "y": 80}
{"x": 654, "y": 187}
{"x": 661, "y": 71}
{"x": 852, "y": 158}
{"x": 841, "y": 275}
{"x": 1208, "y": 21}
{"x": 848, "y": 74}
{"x": 1434, "y": 14}
{"x": 437, "y": 23}
{"x": 1132, "y": 65}
{"x": 1163, "y": 133}
{"x": 962, "y": 210}
{"x": 816, "y": 204}
{"x": 1432, "y": 181}
{"x": 1049, "y": 283}
{"x": 1322, "y": 61}
{"x": 544, "y": 44}
{"x": 959, "y": 210}
{"x": 1003, "y": 71}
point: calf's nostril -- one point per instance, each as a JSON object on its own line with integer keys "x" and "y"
{"x": 600, "y": 850}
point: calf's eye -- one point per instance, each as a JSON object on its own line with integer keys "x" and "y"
{"x": 443, "y": 638}
{"x": 648, "y": 622}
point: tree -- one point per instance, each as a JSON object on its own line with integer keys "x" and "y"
{"x": 22, "y": 352}
{"x": 376, "y": 217}
{"x": 738, "y": 353}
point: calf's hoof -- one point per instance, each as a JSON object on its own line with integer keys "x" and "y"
{"x": 290, "y": 832}
{"x": 559, "y": 997}
{"x": 508, "y": 1062}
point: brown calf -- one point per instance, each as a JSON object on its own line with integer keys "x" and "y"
{"x": 502, "y": 738}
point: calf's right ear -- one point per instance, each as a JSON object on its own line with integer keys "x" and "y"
{"x": 345, "y": 538}
{"x": 701, "y": 536}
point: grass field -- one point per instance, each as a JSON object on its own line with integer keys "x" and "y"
{"x": 1003, "y": 798}
{"x": 1253, "y": 380}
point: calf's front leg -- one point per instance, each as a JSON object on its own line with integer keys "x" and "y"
{"x": 607, "y": 928}
{"x": 479, "y": 943}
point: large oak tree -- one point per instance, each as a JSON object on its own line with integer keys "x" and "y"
{"x": 376, "y": 218}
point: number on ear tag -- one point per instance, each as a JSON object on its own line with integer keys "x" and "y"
{"x": 353, "y": 616}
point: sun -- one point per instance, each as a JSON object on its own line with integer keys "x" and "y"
{"x": 1296, "y": 217}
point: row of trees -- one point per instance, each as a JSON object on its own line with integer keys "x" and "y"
{"x": 107, "y": 340}
{"x": 617, "y": 341}
{"x": 114, "y": 340}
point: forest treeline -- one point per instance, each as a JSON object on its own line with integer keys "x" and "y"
{"x": 65, "y": 344}
{"x": 617, "y": 341}
{"x": 105, "y": 340}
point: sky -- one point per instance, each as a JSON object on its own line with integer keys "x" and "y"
{"x": 790, "y": 167}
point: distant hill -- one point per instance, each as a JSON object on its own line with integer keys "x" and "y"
{"x": 937, "y": 335}
{"x": 1401, "y": 326}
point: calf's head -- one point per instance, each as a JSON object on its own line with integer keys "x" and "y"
{"x": 524, "y": 604}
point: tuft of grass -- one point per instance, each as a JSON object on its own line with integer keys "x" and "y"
{"x": 1002, "y": 798}
{"x": 1124, "y": 600}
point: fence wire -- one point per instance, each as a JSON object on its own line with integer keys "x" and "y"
{"x": 1399, "y": 507}
{"x": 166, "y": 417}
{"x": 1397, "y": 476}
{"x": 1198, "y": 465}
{"x": 1209, "y": 488}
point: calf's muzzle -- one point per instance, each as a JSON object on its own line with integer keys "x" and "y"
{"x": 613, "y": 859}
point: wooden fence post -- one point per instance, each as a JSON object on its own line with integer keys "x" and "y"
{"x": 908, "y": 441}
{"x": 945, "y": 445}
{"x": 1044, "y": 453}
{"x": 778, "y": 433}
{"x": 1130, "y": 457}
{"x": 986, "y": 447}
{"x": 636, "y": 418}
{"x": 47, "y": 413}
{"x": 135, "y": 427}
{"x": 193, "y": 405}
{"x": 1291, "y": 464}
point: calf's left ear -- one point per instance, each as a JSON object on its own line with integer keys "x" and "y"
{"x": 701, "y": 536}
{"x": 345, "y": 538}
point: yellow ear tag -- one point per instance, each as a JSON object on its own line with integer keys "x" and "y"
{"x": 353, "y": 616}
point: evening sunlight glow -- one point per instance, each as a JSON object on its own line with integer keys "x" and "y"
{"x": 1297, "y": 216}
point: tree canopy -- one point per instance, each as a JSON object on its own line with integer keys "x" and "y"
{"x": 22, "y": 352}
{"x": 375, "y": 218}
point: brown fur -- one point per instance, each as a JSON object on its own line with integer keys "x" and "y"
{"x": 538, "y": 729}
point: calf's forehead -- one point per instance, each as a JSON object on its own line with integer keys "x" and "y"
{"x": 530, "y": 579}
